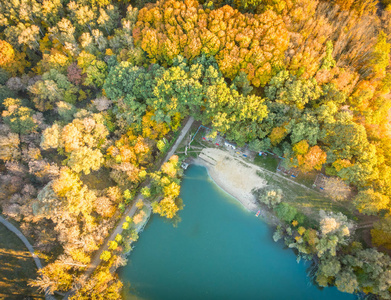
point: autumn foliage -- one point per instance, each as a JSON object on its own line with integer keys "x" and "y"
{"x": 7, "y": 53}
{"x": 254, "y": 44}
{"x": 91, "y": 93}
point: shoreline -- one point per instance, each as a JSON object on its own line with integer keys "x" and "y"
{"x": 227, "y": 186}
{"x": 252, "y": 207}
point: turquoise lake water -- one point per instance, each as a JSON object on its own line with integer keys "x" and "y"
{"x": 218, "y": 251}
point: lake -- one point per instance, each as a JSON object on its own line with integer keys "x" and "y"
{"x": 219, "y": 250}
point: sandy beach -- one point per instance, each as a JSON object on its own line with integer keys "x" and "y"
{"x": 233, "y": 175}
{"x": 236, "y": 177}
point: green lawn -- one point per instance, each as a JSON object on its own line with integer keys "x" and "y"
{"x": 16, "y": 268}
{"x": 267, "y": 162}
{"x": 196, "y": 143}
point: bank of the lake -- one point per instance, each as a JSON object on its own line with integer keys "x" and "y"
{"x": 218, "y": 251}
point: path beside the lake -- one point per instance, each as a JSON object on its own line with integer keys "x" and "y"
{"x": 130, "y": 211}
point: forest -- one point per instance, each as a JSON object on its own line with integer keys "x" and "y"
{"x": 90, "y": 91}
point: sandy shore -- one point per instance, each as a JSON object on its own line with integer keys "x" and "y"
{"x": 232, "y": 175}
{"x": 235, "y": 177}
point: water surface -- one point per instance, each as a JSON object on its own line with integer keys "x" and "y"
{"x": 218, "y": 251}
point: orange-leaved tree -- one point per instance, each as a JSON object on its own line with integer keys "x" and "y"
{"x": 309, "y": 158}
{"x": 254, "y": 44}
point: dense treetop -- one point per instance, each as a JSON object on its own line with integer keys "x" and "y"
{"x": 90, "y": 92}
{"x": 254, "y": 44}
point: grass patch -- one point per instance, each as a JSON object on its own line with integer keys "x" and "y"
{"x": 307, "y": 179}
{"x": 16, "y": 268}
{"x": 267, "y": 162}
{"x": 196, "y": 143}
{"x": 193, "y": 154}
{"x": 305, "y": 200}
{"x": 180, "y": 149}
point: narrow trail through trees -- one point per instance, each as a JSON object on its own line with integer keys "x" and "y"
{"x": 129, "y": 212}
{"x": 20, "y": 235}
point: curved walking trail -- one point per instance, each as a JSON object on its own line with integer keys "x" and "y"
{"x": 20, "y": 235}
{"x": 128, "y": 212}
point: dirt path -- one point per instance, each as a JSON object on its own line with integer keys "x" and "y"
{"x": 281, "y": 176}
{"x": 20, "y": 235}
{"x": 129, "y": 212}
